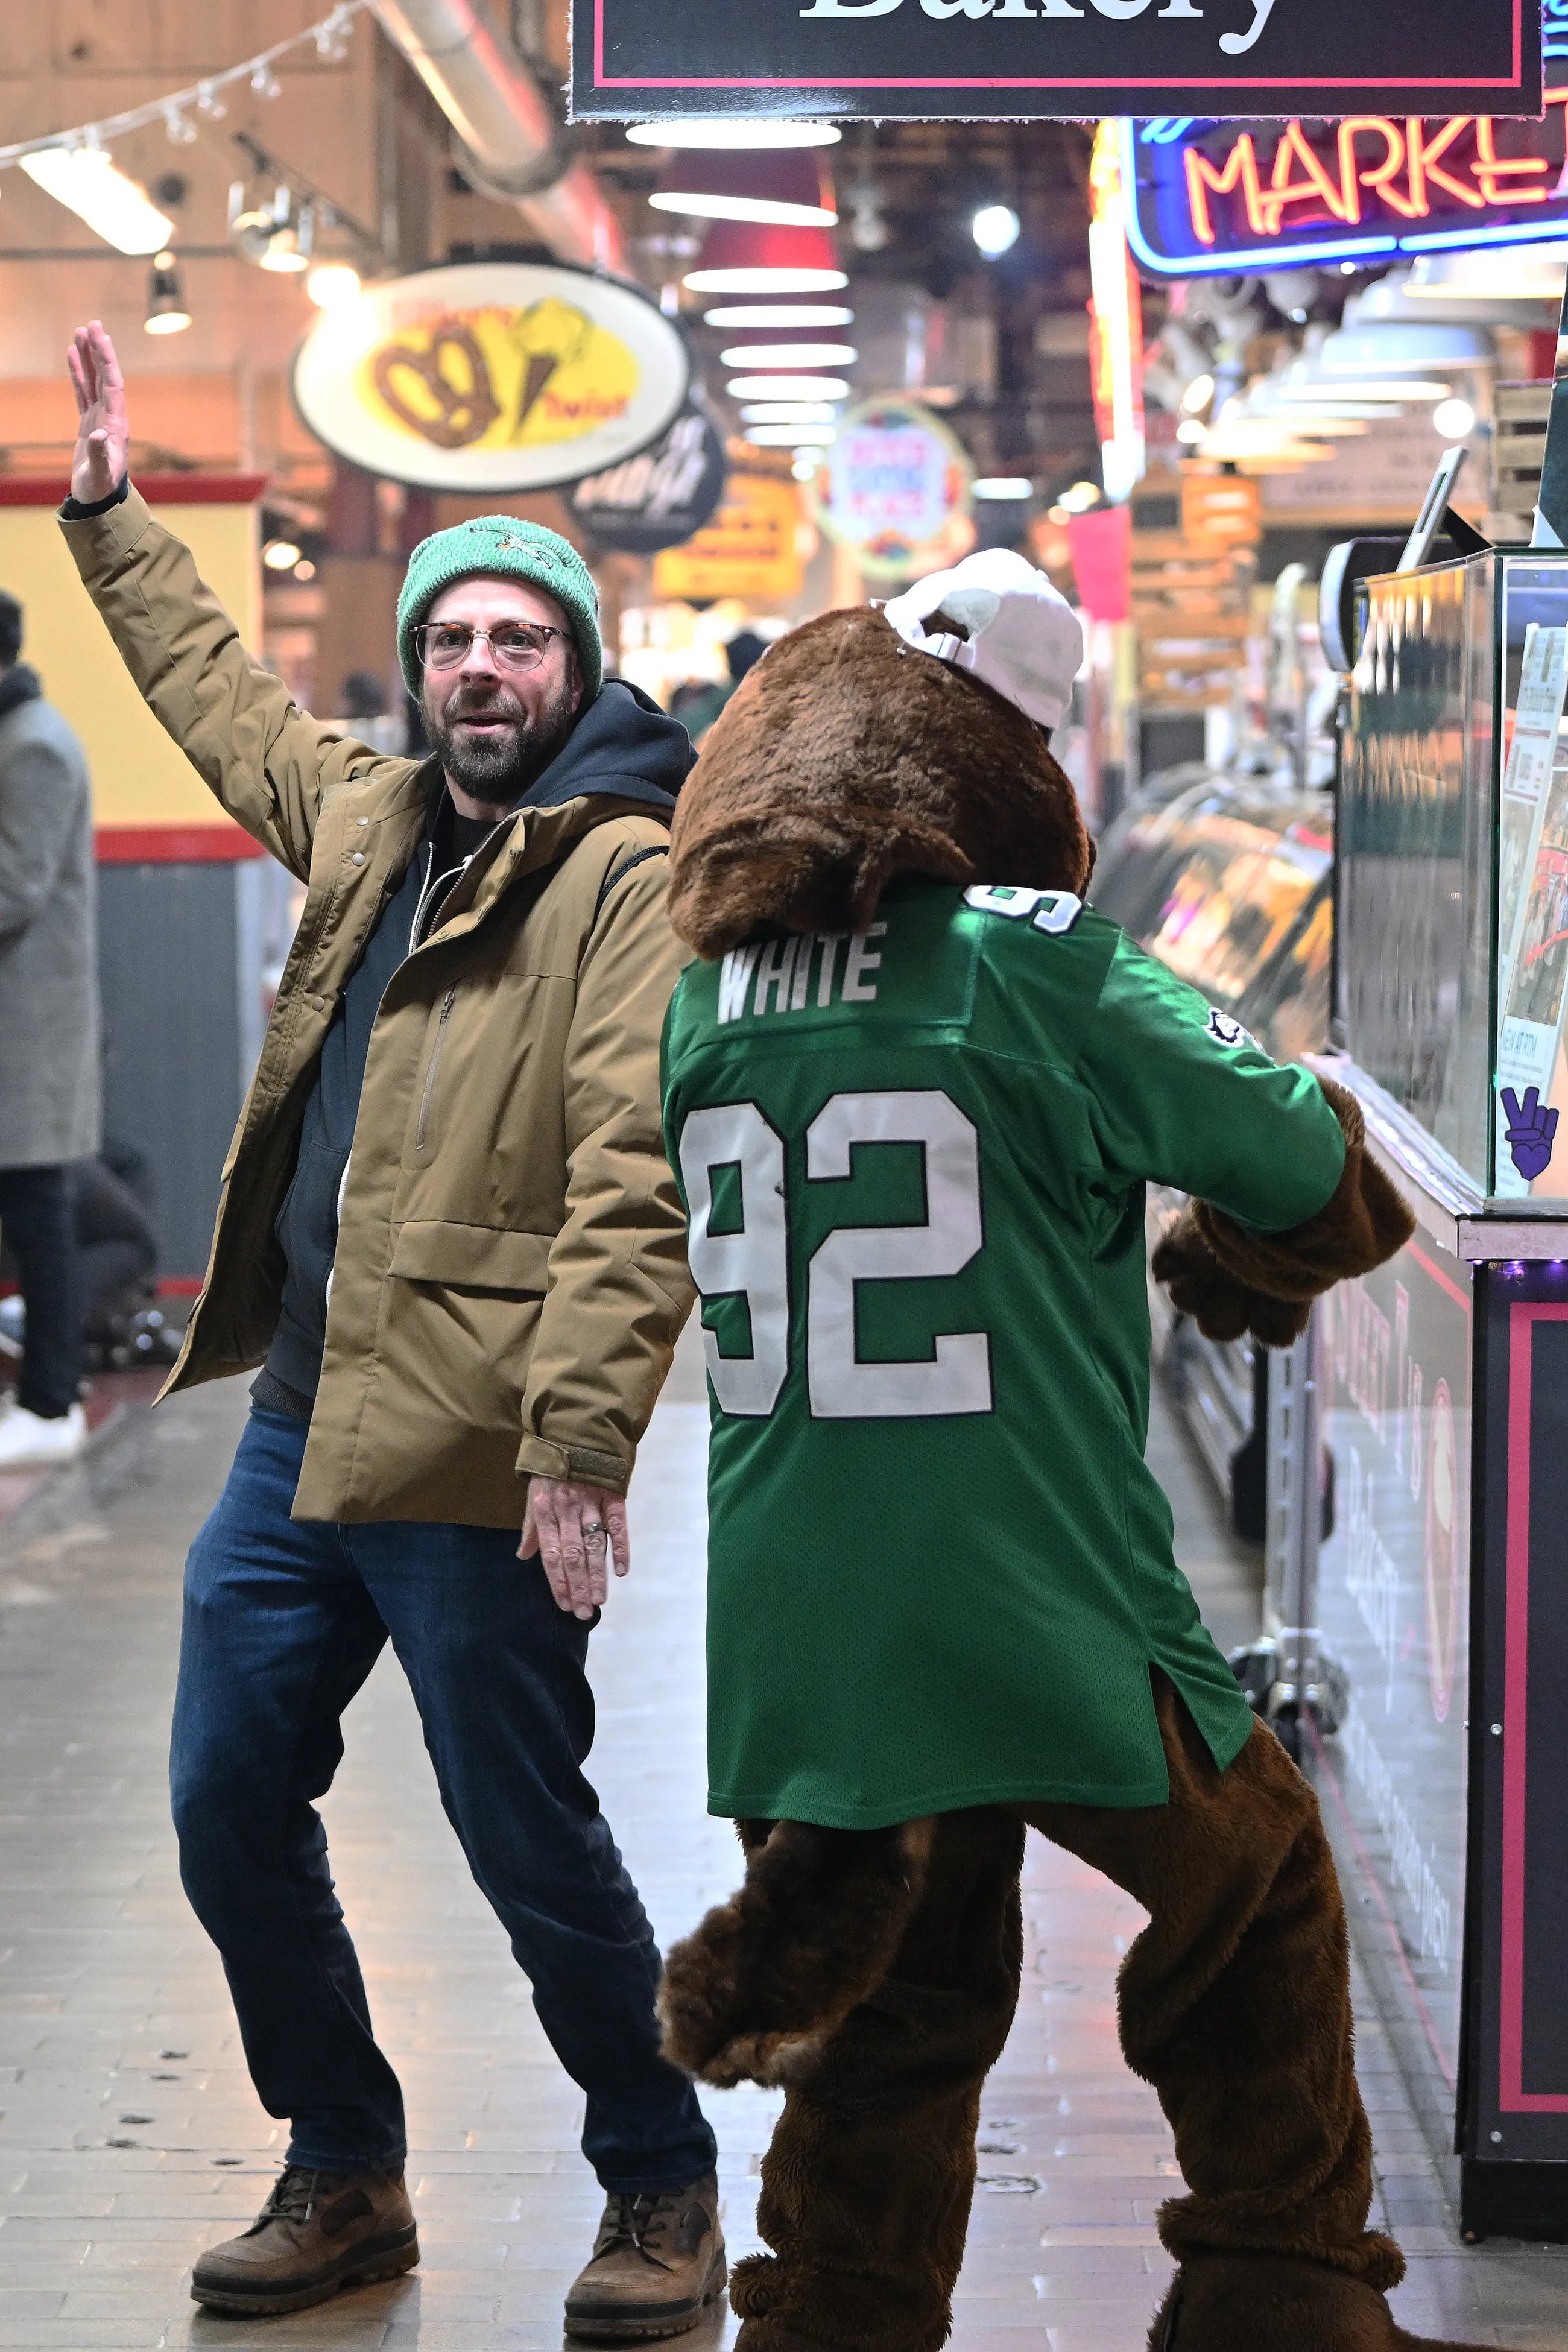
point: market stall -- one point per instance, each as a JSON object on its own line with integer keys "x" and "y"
{"x": 1422, "y": 1629}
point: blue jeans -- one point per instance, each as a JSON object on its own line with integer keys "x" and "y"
{"x": 283, "y": 1621}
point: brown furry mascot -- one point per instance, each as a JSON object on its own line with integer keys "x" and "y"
{"x": 913, "y": 1091}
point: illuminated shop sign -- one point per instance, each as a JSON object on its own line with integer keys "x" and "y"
{"x": 955, "y": 60}
{"x": 1213, "y": 198}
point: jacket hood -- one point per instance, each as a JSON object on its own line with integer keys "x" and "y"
{"x": 623, "y": 745}
{"x": 18, "y": 685}
{"x": 846, "y": 758}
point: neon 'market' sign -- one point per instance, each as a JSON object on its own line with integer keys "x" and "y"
{"x": 1377, "y": 166}
{"x": 1215, "y": 197}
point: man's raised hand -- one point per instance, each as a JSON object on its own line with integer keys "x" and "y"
{"x": 103, "y": 436}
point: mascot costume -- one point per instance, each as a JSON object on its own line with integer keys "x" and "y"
{"x": 915, "y": 1089}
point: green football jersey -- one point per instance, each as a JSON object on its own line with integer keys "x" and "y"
{"x": 938, "y": 1570}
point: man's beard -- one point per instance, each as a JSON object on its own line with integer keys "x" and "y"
{"x": 500, "y": 768}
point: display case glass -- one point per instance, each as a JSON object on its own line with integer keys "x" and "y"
{"x": 1416, "y": 829}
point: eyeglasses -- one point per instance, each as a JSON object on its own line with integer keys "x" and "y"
{"x": 514, "y": 645}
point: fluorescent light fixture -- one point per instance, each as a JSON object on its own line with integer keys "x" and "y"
{"x": 1393, "y": 389}
{"x": 780, "y": 314}
{"x": 787, "y": 387}
{"x": 789, "y": 412}
{"x": 792, "y": 437}
{"x": 994, "y": 229}
{"x": 333, "y": 282}
{"x": 87, "y": 183}
{"x": 1002, "y": 486}
{"x": 789, "y": 355}
{"x": 764, "y": 281}
{"x": 734, "y": 134}
{"x": 764, "y": 212}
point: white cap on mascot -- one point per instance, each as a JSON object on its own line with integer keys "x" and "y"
{"x": 1024, "y": 638}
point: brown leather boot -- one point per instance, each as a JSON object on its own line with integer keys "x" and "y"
{"x": 317, "y": 2233}
{"x": 1240, "y": 2303}
{"x": 658, "y": 2262}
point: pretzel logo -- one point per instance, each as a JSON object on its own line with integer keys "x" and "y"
{"x": 455, "y": 404}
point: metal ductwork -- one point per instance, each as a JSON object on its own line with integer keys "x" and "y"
{"x": 512, "y": 145}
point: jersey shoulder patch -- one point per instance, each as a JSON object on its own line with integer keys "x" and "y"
{"x": 1226, "y": 1032}
{"x": 1054, "y": 912}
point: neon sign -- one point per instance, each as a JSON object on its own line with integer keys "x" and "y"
{"x": 1218, "y": 197}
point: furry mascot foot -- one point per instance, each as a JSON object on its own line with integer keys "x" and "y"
{"x": 1268, "y": 2302}
{"x": 767, "y": 1979}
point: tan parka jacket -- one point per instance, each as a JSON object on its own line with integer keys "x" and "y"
{"x": 510, "y": 1272}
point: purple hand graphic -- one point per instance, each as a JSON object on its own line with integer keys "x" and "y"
{"x": 1531, "y": 1131}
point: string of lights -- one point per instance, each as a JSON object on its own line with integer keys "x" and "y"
{"x": 184, "y": 111}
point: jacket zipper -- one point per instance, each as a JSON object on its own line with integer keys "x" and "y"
{"x": 419, "y": 1132}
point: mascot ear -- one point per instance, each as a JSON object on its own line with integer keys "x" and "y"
{"x": 847, "y": 759}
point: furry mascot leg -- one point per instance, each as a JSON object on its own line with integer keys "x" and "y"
{"x": 1235, "y": 2004}
{"x": 867, "y": 2185}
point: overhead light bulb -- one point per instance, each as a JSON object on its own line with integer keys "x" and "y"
{"x": 780, "y": 314}
{"x": 280, "y": 555}
{"x": 1059, "y": 515}
{"x": 332, "y": 283}
{"x": 305, "y": 570}
{"x": 1191, "y": 430}
{"x": 994, "y": 229}
{"x": 166, "y": 312}
{"x": 738, "y": 133}
{"x": 787, "y": 387}
{"x": 1002, "y": 486}
{"x": 1454, "y": 419}
{"x": 1198, "y": 395}
{"x": 87, "y": 183}
{"x": 804, "y": 467}
{"x": 789, "y": 355}
{"x": 1081, "y": 498}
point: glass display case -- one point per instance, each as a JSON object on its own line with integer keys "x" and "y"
{"x": 1453, "y": 896}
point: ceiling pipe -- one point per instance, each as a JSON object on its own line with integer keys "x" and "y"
{"x": 513, "y": 147}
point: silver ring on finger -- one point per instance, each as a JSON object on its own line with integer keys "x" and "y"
{"x": 592, "y": 1526}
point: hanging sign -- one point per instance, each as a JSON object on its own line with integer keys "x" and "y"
{"x": 1215, "y": 199}
{"x": 660, "y": 498}
{"x": 977, "y": 60}
{"x": 752, "y": 549}
{"x": 895, "y": 488}
{"x": 491, "y": 376}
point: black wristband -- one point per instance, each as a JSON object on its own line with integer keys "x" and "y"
{"x": 75, "y": 511}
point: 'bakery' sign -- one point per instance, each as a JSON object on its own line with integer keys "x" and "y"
{"x": 986, "y": 59}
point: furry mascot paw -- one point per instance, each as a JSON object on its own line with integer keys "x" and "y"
{"x": 766, "y": 1981}
{"x": 1230, "y": 1280}
{"x": 1239, "y": 2302}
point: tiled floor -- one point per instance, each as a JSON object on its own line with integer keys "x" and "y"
{"x": 128, "y": 2135}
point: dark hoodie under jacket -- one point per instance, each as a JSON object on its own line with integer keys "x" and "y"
{"x": 623, "y": 746}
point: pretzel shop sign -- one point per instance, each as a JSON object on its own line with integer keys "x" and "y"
{"x": 963, "y": 60}
{"x": 493, "y": 377}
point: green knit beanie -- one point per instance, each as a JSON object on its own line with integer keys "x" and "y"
{"x": 502, "y": 546}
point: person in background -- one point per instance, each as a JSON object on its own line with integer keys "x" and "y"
{"x": 50, "y": 1093}
{"x": 365, "y": 712}
{"x": 451, "y": 1245}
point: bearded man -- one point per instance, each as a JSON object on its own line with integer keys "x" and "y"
{"x": 451, "y": 1243}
